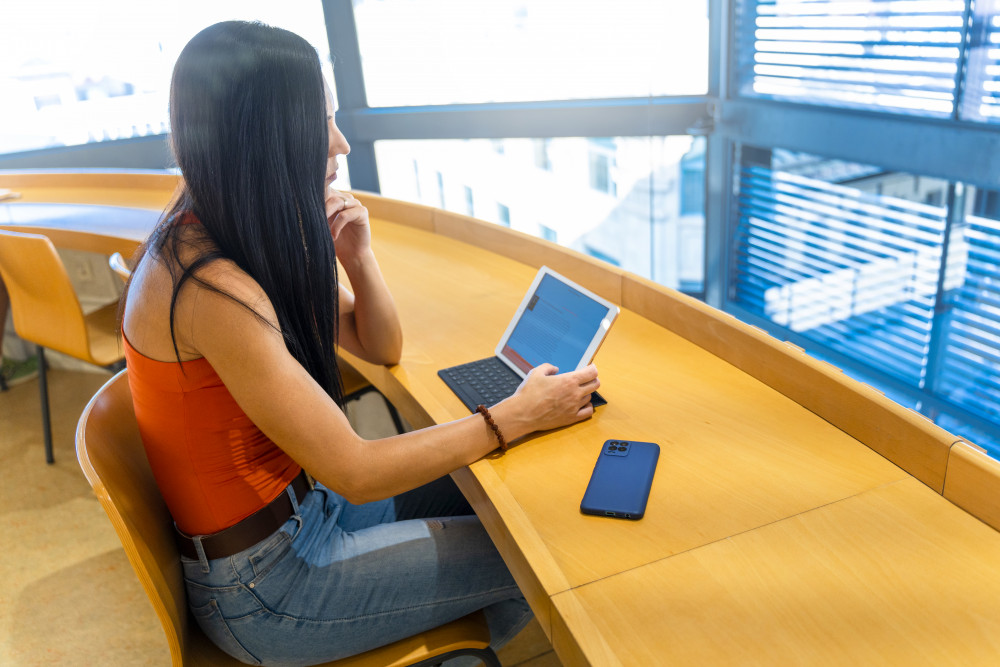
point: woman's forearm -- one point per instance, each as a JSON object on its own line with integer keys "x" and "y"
{"x": 373, "y": 315}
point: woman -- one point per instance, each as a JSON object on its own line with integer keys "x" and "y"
{"x": 231, "y": 323}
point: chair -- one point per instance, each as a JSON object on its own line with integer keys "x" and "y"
{"x": 119, "y": 266}
{"x": 45, "y": 307}
{"x": 355, "y": 386}
{"x": 114, "y": 462}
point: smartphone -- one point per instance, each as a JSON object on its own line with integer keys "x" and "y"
{"x": 619, "y": 486}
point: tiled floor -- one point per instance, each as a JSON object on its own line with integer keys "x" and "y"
{"x": 69, "y": 595}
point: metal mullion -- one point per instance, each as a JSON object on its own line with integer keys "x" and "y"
{"x": 938, "y": 340}
{"x": 659, "y": 116}
{"x": 349, "y": 82}
{"x": 963, "y": 61}
{"x": 898, "y": 142}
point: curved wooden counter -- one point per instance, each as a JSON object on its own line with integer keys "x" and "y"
{"x": 796, "y": 515}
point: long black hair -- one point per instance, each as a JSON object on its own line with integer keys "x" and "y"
{"x": 249, "y": 132}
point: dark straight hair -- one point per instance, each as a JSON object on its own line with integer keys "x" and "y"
{"x": 249, "y": 132}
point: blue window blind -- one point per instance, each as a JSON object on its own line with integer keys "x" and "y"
{"x": 891, "y": 55}
{"x": 970, "y": 367}
{"x": 981, "y": 100}
{"x": 854, "y": 271}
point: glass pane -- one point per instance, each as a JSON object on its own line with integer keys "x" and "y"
{"x": 637, "y": 203}
{"x": 891, "y": 55}
{"x": 970, "y": 362}
{"x": 417, "y": 52}
{"x": 76, "y": 72}
{"x": 982, "y": 88}
{"x": 846, "y": 254}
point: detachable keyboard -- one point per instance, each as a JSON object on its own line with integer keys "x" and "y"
{"x": 483, "y": 382}
{"x": 487, "y": 382}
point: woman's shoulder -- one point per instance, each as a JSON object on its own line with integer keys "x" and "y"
{"x": 217, "y": 295}
{"x": 188, "y": 248}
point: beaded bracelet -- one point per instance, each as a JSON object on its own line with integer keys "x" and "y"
{"x": 481, "y": 409}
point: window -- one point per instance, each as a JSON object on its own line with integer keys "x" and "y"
{"x": 64, "y": 80}
{"x": 470, "y": 209}
{"x": 970, "y": 357}
{"x": 430, "y": 52}
{"x": 600, "y": 173}
{"x": 856, "y": 272}
{"x": 888, "y": 272}
{"x": 693, "y": 181}
{"x": 503, "y": 215}
{"x": 440, "y": 189}
{"x": 639, "y": 222}
{"x": 542, "y": 159}
{"x": 601, "y": 159}
{"x": 860, "y": 263}
{"x": 893, "y": 55}
{"x": 982, "y": 95}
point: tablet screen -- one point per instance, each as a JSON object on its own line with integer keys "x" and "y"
{"x": 559, "y": 323}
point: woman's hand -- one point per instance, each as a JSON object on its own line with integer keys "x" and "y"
{"x": 548, "y": 400}
{"x": 349, "y": 226}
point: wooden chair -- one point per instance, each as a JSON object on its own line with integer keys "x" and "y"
{"x": 114, "y": 462}
{"x": 46, "y": 309}
{"x": 356, "y": 386}
{"x": 119, "y": 266}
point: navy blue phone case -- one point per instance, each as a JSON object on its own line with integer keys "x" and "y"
{"x": 619, "y": 486}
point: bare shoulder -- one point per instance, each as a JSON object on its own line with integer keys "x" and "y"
{"x": 218, "y": 299}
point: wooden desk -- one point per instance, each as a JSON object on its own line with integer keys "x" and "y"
{"x": 892, "y": 576}
{"x": 776, "y": 533}
{"x": 796, "y": 515}
{"x": 86, "y": 211}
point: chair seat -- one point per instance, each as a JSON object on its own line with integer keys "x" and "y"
{"x": 470, "y": 632}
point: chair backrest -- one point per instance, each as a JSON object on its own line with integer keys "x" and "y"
{"x": 44, "y": 305}
{"x": 118, "y": 265}
{"x": 111, "y": 454}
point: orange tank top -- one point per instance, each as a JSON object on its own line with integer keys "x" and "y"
{"x": 213, "y": 465}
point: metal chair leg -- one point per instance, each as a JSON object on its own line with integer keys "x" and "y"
{"x": 43, "y": 389}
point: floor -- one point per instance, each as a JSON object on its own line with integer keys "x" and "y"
{"x": 70, "y": 596}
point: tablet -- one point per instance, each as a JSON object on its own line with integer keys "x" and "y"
{"x": 558, "y": 322}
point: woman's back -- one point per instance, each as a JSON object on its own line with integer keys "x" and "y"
{"x": 213, "y": 464}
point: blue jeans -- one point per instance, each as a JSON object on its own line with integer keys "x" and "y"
{"x": 339, "y": 579}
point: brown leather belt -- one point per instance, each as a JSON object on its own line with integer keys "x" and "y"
{"x": 251, "y": 530}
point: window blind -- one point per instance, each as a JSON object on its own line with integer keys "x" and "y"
{"x": 890, "y": 55}
{"x": 970, "y": 366}
{"x": 846, "y": 268}
{"x": 981, "y": 100}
